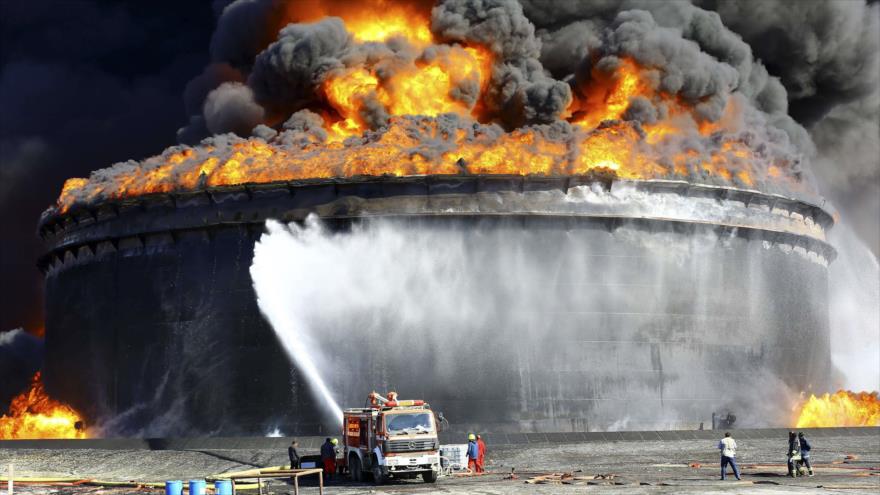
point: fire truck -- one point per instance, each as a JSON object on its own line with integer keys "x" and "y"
{"x": 391, "y": 439}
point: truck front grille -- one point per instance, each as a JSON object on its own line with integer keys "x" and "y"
{"x": 411, "y": 445}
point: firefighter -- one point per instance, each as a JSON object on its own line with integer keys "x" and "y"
{"x": 805, "y": 452}
{"x": 481, "y": 453}
{"x": 335, "y": 443}
{"x": 328, "y": 457}
{"x": 293, "y": 455}
{"x": 473, "y": 452}
{"x": 794, "y": 454}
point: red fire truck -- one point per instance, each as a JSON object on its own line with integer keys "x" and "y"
{"x": 391, "y": 439}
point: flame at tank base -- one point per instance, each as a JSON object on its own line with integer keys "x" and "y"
{"x": 168, "y": 333}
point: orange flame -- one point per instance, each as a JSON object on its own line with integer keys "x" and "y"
{"x": 33, "y": 414}
{"x": 453, "y": 79}
{"x": 69, "y": 191}
{"x": 395, "y": 22}
{"x": 609, "y": 95}
{"x": 607, "y": 98}
{"x": 843, "y": 408}
{"x": 370, "y": 20}
{"x": 425, "y": 88}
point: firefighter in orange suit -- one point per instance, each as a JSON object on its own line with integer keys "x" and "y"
{"x": 481, "y": 453}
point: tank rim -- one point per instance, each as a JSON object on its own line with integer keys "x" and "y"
{"x": 826, "y": 213}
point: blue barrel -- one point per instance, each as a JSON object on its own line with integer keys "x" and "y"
{"x": 196, "y": 487}
{"x": 174, "y": 487}
{"x": 223, "y": 487}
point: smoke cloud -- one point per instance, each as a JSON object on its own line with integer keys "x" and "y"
{"x": 21, "y": 355}
{"x": 82, "y": 85}
{"x": 521, "y": 91}
{"x": 698, "y": 95}
{"x": 826, "y": 56}
{"x": 232, "y": 108}
{"x": 534, "y": 74}
{"x": 286, "y": 73}
{"x": 825, "y": 53}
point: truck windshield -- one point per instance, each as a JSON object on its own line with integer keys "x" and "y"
{"x": 409, "y": 423}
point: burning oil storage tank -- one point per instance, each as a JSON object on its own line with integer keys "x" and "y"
{"x": 153, "y": 326}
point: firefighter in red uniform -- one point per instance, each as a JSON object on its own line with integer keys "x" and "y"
{"x": 328, "y": 457}
{"x": 481, "y": 453}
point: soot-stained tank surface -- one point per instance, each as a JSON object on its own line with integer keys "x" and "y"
{"x": 651, "y": 305}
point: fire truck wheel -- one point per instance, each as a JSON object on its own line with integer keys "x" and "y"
{"x": 378, "y": 477}
{"x": 430, "y": 477}
{"x": 354, "y": 468}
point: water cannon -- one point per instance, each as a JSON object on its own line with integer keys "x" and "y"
{"x": 404, "y": 403}
{"x": 376, "y": 400}
{"x": 390, "y": 400}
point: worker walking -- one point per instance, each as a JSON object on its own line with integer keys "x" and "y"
{"x": 805, "y": 452}
{"x": 328, "y": 457}
{"x": 293, "y": 455}
{"x": 728, "y": 455}
{"x": 481, "y": 454}
{"x": 473, "y": 453}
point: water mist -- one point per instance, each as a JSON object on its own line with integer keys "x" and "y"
{"x": 854, "y": 280}
{"x": 545, "y": 324}
{"x": 283, "y": 272}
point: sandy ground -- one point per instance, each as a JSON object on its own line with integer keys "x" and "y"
{"x": 638, "y": 467}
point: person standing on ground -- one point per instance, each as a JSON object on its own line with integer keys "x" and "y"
{"x": 805, "y": 452}
{"x": 794, "y": 453}
{"x": 481, "y": 454}
{"x": 473, "y": 452}
{"x": 328, "y": 458}
{"x": 293, "y": 455}
{"x": 728, "y": 455}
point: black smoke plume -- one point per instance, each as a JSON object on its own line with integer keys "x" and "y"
{"x": 21, "y": 355}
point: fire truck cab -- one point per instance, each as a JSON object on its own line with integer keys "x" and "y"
{"x": 391, "y": 439}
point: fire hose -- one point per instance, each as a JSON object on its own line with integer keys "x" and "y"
{"x": 64, "y": 481}
{"x": 74, "y": 481}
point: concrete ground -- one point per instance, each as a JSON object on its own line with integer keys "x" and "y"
{"x": 655, "y": 466}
